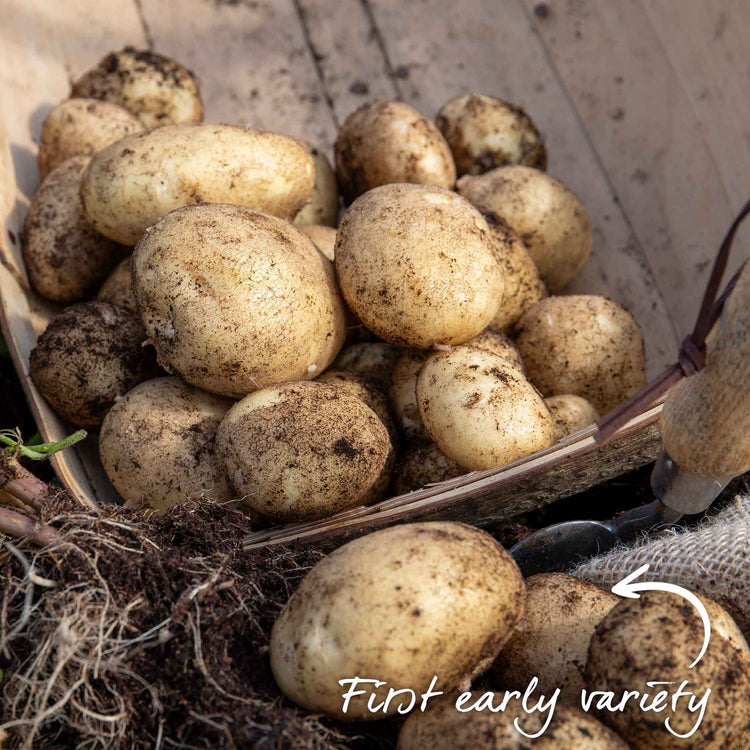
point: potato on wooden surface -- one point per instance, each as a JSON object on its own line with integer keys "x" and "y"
{"x": 132, "y": 183}
{"x": 235, "y": 300}
{"x": 157, "y": 445}
{"x": 88, "y": 356}
{"x": 421, "y": 465}
{"x": 82, "y": 127}
{"x": 322, "y": 207}
{"x": 374, "y": 360}
{"x": 546, "y": 215}
{"x": 482, "y": 413}
{"x": 65, "y": 258}
{"x": 570, "y": 414}
{"x": 584, "y": 345}
{"x": 656, "y": 638}
{"x": 484, "y": 132}
{"x": 551, "y": 642}
{"x": 302, "y": 451}
{"x": 443, "y": 727}
{"x": 323, "y": 237}
{"x": 157, "y": 89}
{"x": 384, "y": 142}
{"x": 399, "y": 605}
{"x": 117, "y": 288}
{"x": 418, "y": 266}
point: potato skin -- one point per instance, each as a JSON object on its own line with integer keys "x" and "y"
{"x": 443, "y": 727}
{"x": 82, "y": 127}
{"x": 484, "y": 132}
{"x": 118, "y": 290}
{"x": 132, "y": 183}
{"x": 570, "y": 413}
{"x": 546, "y": 215}
{"x": 584, "y": 345}
{"x": 157, "y": 445}
{"x": 323, "y": 237}
{"x": 422, "y": 465}
{"x": 89, "y": 355}
{"x": 524, "y": 286}
{"x": 302, "y": 451}
{"x": 482, "y": 413}
{"x": 158, "y": 90}
{"x": 322, "y": 207}
{"x": 235, "y": 300}
{"x": 417, "y": 265}
{"x": 384, "y": 142}
{"x": 657, "y": 637}
{"x": 551, "y": 642}
{"x": 401, "y": 605}
{"x": 65, "y": 258}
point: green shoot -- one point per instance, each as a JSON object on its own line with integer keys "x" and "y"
{"x": 39, "y": 451}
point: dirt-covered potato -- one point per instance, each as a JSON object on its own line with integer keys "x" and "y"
{"x": 551, "y": 642}
{"x": 88, "y": 356}
{"x": 134, "y": 182}
{"x": 658, "y": 637}
{"x": 524, "y": 286}
{"x": 323, "y": 237}
{"x": 117, "y": 288}
{"x": 302, "y": 451}
{"x": 484, "y": 132}
{"x": 373, "y": 360}
{"x": 545, "y": 214}
{"x": 482, "y": 413}
{"x": 570, "y": 414}
{"x": 364, "y": 390}
{"x": 235, "y": 300}
{"x": 400, "y": 605}
{"x": 157, "y": 89}
{"x": 443, "y": 727}
{"x": 418, "y": 266}
{"x": 422, "y": 465}
{"x": 384, "y": 142}
{"x": 65, "y": 258}
{"x": 584, "y": 345}
{"x": 82, "y": 127}
{"x": 157, "y": 445}
{"x": 322, "y": 206}
{"x": 403, "y": 389}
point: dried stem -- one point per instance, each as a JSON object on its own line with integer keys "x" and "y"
{"x": 22, "y": 484}
{"x": 17, "y": 525}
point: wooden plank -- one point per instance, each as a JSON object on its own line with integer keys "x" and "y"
{"x": 646, "y": 134}
{"x": 443, "y": 49}
{"x": 253, "y": 62}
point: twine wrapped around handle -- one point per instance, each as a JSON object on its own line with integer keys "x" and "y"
{"x": 692, "y": 355}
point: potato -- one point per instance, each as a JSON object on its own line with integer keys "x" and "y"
{"x": 403, "y": 390}
{"x": 418, "y": 266}
{"x": 524, "y": 286}
{"x": 134, "y": 182}
{"x": 366, "y": 392}
{"x": 157, "y": 445}
{"x": 657, "y": 637}
{"x": 422, "y": 465}
{"x": 400, "y": 605}
{"x": 583, "y": 345}
{"x": 482, "y": 413}
{"x": 546, "y": 215}
{"x": 323, "y": 237}
{"x": 90, "y": 355}
{"x": 82, "y": 127}
{"x": 118, "y": 290}
{"x": 65, "y": 258}
{"x": 235, "y": 300}
{"x": 570, "y": 414}
{"x": 322, "y": 207}
{"x": 443, "y": 727}
{"x": 302, "y": 451}
{"x": 157, "y": 89}
{"x": 551, "y": 642}
{"x": 373, "y": 360}
{"x": 384, "y": 142}
{"x": 484, "y": 132}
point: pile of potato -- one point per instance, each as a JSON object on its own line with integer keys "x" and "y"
{"x": 229, "y": 341}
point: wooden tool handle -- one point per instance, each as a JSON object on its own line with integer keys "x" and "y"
{"x": 706, "y": 417}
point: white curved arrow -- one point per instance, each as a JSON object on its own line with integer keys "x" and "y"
{"x": 627, "y": 588}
